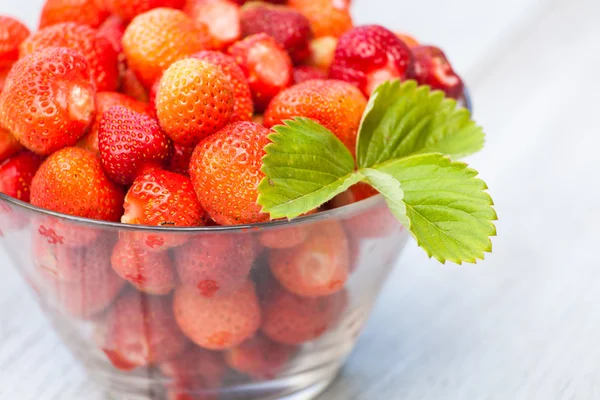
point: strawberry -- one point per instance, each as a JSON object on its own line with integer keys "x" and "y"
{"x": 337, "y": 105}
{"x": 290, "y": 29}
{"x": 129, "y": 9}
{"x": 221, "y": 322}
{"x": 16, "y": 174}
{"x": 3, "y": 74}
{"x": 49, "y": 100}
{"x": 327, "y": 17}
{"x": 370, "y": 55}
{"x": 222, "y": 17}
{"x": 156, "y": 39}
{"x": 87, "y": 12}
{"x": 12, "y": 34}
{"x": 358, "y": 192}
{"x": 9, "y": 145}
{"x": 140, "y": 330}
{"x": 104, "y": 101}
{"x": 409, "y": 40}
{"x": 113, "y": 29}
{"x": 259, "y": 357}
{"x": 284, "y": 238}
{"x": 215, "y": 265}
{"x": 242, "y": 96}
{"x": 129, "y": 141}
{"x": 240, "y": 2}
{"x": 149, "y": 272}
{"x": 305, "y": 73}
{"x": 322, "y": 51}
{"x": 71, "y": 181}
{"x": 433, "y": 68}
{"x": 132, "y": 87}
{"x": 225, "y": 172}
{"x": 198, "y": 365}
{"x": 96, "y": 48}
{"x": 267, "y": 66}
{"x": 194, "y": 100}
{"x": 180, "y": 161}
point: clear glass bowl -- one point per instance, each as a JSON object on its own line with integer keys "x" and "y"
{"x": 303, "y": 290}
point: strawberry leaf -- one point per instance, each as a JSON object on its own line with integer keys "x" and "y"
{"x": 403, "y": 119}
{"x": 306, "y": 165}
{"x": 390, "y": 188}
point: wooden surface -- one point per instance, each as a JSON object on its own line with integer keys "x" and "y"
{"x": 522, "y": 325}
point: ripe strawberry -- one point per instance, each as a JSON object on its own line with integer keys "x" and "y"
{"x": 59, "y": 231}
{"x": 221, "y": 322}
{"x": 358, "y": 192}
{"x": 409, "y": 40}
{"x": 267, "y": 66}
{"x": 242, "y": 96}
{"x": 98, "y": 51}
{"x": 194, "y": 100}
{"x": 305, "y": 73}
{"x": 322, "y": 51}
{"x": 327, "y": 17}
{"x": 71, "y": 181}
{"x": 132, "y": 87}
{"x": 290, "y": 319}
{"x": 222, "y": 17}
{"x": 16, "y": 174}
{"x": 140, "y": 330}
{"x": 87, "y": 12}
{"x": 105, "y": 101}
{"x": 225, "y": 172}
{"x": 433, "y": 68}
{"x": 196, "y": 364}
{"x": 3, "y": 74}
{"x": 378, "y": 222}
{"x": 337, "y": 105}
{"x": 148, "y": 272}
{"x": 215, "y": 265}
{"x": 156, "y": 39}
{"x": 129, "y": 141}
{"x": 113, "y": 29}
{"x": 317, "y": 267}
{"x": 265, "y": 1}
{"x": 290, "y": 29}
{"x": 49, "y": 100}
{"x": 259, "y": 357}
{"x": 180, "y": 161}
{"x": 12, "y": 34}
{"x": 9, "y": 145}
{"x": 284, "y": 238}
{"x": 129, "y": 9}
{"x": 370, "y": 55}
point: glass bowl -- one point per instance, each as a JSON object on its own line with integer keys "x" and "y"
{"x": 266, "y": 311}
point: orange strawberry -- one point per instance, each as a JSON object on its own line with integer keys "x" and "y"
{"x": 71, "y": 181}
{"x": 9, "y": 145}
{"x": 225, "y": 172}
{"x": 12, "y": 34}
{"x": 194, "y": 100}
{"x": 217, "y": 323}
{"x": 242, "y": 96}
{"x": 156, "y": 39}
{"x": 88, "y": 12}
{"x": 49, "y": 100}
{"x": 16, "y": 174}
{"x": 129, "y": 9}
{"x": 322, "y": 51}
{"x": 327, "y": 17}
{"x": 222, "y": 17}
{"x": 409, "y": 40}
{"x": 96, "y": 48}
{"x": 337, "y": 105}
{"x": 267, "y": 66}
{"x": 259, "y": 357}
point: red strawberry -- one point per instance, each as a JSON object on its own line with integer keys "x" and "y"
{"x": 129, "y": 141}
{"x": 433, "y": 68}
{"x": 71, "y": 181}
{"x": 96, "y": 48}
{"x": 215, "y": 265}
{"x": 16, "y": 174}
{"x": 113, "y": 29}
{"x": 337, "y": 105}
{"x": 225, "y": 172}
{"x": 9, "y": 145}
{"x": 204, "y": 367}
{"x": 194, "y": 100}
{"x": 305, "y": 73}
{"x": 222, "y": 17}
{"x": 129, "y": 9}
{"x": 370, "y": 55}
{"x": 49, "y": 100}
{"x": 3, "y": 74}
{"x": 180, "y": 161}
{"x": 242, "y": 102}
{"x": 290, "y": 29}
{"x": 267, "y": 66}
{"x": 149, "y": 272}
{"x": 259, "y": 357}
{"x": 12, "y": 34}
{"x": 266, "y": 1}
{"x": 87, "y": 12}
{"x": 285, "y": 237}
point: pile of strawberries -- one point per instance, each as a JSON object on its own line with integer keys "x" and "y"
{"x": 156, "y": 113}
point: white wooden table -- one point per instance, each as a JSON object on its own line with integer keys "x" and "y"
{"x": 522, "y": 325}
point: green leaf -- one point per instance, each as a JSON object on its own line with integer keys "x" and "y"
{"x": 451, "y": 214}
{"x": 390, "y": 188}
{"x": 403, "y": 119}
{"x": 306, "y": 165}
